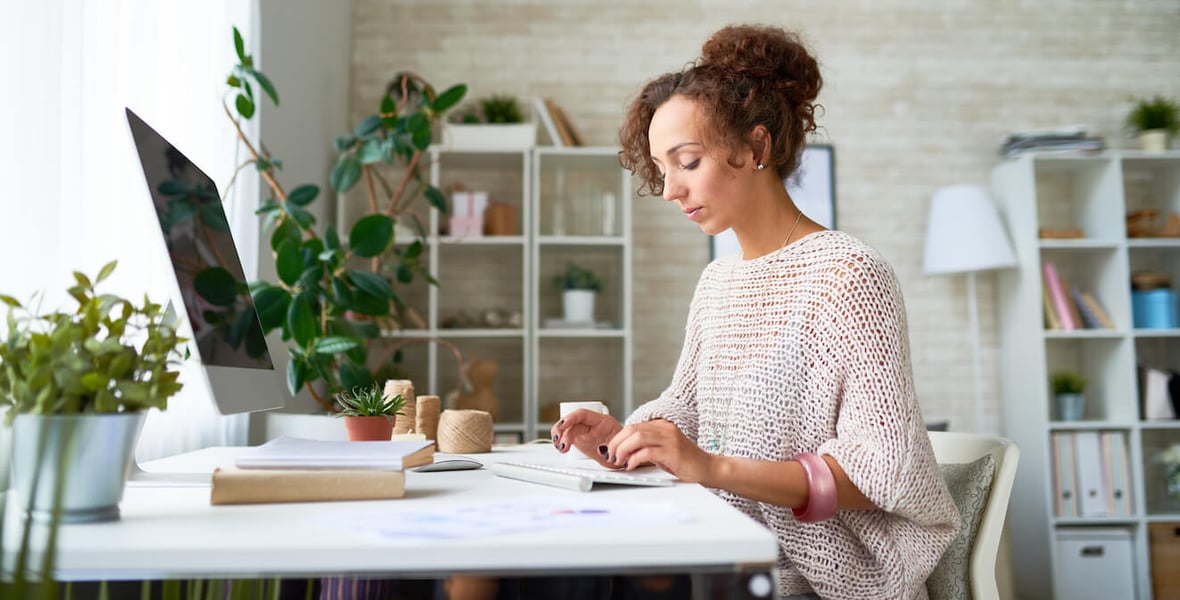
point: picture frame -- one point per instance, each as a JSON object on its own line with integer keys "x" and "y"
{"x": 813, "y": 188}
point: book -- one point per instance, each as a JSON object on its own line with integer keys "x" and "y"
{"x": 286, "y": 452}
{"x": 1051, "y": 320}
{"x": 1065, "y": 500}
{"x": 1085, "y": 311}
{"x": 559, "y": 123}
{"x": 547, "y": 122}
{"x": 1099, "y": 312}
{"x": 1061, "y": 303}
{"x": 1090, "y": 485}
{"x": 252, "y": 486}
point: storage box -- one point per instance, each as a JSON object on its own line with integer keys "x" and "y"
{"x": 1154, "y": 309}
{"x": 1094, "y": 563}
{"x": 1165, "y": 559}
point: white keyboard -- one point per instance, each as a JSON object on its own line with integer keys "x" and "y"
{"x": 574, "y": 478}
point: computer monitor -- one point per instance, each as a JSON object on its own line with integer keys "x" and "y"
{"x": 227, "y": 334}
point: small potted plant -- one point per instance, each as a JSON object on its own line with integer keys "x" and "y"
{"x": 1154, "y": 121}
{"x": 1170, "y": 459}
{"x": 579, "y": 287}
{"x": 1068, "y": 394}
{"x": 493, "y": 122}
{"x": 368, "y": 413}
{"x": 91, "y": 374}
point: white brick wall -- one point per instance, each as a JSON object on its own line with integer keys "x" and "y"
{"x": 918, "y": 95}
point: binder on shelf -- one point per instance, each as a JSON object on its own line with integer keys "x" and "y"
{"x": 1114, "y": 445}
{"x": 1065, "y": 497}
{"x": 1091, "y": 487}
{"x": 1061, "y": 303}
{"x": 1051, "y": 320}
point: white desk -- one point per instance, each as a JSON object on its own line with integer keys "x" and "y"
{"x": 172, "y": 532}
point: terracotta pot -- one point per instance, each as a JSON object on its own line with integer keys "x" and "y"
{"x": 369, "y": 429}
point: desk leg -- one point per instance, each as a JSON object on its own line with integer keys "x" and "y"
{"x": 747, "y": 584}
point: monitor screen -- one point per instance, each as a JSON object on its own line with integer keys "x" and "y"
{"x": 227, "y": 334}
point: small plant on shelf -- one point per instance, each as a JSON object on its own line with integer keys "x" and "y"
{"x": 369, "y": 402}
{"x": 1068, "y": 382}
{"x": 493, "y": 109}
{"x": 577, "y": 278}
{"x": 1154, "y": 113}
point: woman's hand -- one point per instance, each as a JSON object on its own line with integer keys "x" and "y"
{"x": 661, "y": 443}
{"x": 587, "y": 431}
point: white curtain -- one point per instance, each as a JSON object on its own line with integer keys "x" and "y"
{"x": 70, "y": 68}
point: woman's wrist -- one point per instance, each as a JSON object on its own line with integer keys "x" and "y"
{"x": 821, "y": 489}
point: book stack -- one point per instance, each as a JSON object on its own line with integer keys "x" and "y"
{"x": 1091, "y": 474}
{"x": 1066, "y": 139}
{"x": 289, "y": 469}
{"x": 1068, "y": 307}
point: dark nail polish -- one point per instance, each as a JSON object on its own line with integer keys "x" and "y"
{"x": 555, "y": 438}
{"x": 562, "y": 446}
{"x": 611, "y": 458}
{"x": 560, "y": 422}
{"x": 602, "y": 450}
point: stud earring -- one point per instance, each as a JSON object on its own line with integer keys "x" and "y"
{"x": 760, "y": 166}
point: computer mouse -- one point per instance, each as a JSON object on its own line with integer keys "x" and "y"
{"x": 461, "y": 463}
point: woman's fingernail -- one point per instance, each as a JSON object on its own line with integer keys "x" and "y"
{"x": 611, "y": 458}
{"x": 555, "y": 438}
{"x": 602, "y": 450}
{"x": 562, "y": 446}
{"x": 560, "y": 422}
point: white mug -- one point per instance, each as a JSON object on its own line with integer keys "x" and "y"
{"x": 569, "y": 407}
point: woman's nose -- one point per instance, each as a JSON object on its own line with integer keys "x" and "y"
{"x": 672, "y": 188}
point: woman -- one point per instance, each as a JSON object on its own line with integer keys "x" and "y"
{"x": 793, "y": 397}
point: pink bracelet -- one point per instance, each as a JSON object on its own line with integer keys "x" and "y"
{"x": 821, "y": 489}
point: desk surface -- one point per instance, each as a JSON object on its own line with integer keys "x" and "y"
{"x": 169, "y": 531}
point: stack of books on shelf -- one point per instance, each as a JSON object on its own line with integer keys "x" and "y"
{"x": 1067, "y": 307}
{"x": 1091, "y": 474}
{"x": 1066, "y": 139}
{"x": 289, "y": 469}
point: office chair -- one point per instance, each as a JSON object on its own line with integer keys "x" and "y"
{"x": 954, "y": 448}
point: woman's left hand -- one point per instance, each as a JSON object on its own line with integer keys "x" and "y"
{"x": 661, "y": 443}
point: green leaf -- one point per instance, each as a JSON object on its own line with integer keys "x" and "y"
{"x": 331, "y": 238}
{"x": 304, "y": 218}
{"x": 371, "y": 235}
{"x": 388, "y": 111}
{"x": 267, "y": 207}
{"x": 301, "y": 321}
{"x": 217, "y": 286}
{"x": 272, "y": 302}
{"x": 371, "y": 283}
{"x": 413, "y": 251}
{"x": 353, "y": 375}
{"x": 214, "y": 217}
{"x": 344, "y": 143}
{"x": 372, "y": 151}
{"x": 9, "y": 300}
{"x": 83, "y": 280}
{"x": 436, "y": 199}
{"x": 267, "y": 86}
{"x": 303, "y": 195}
{"x": 341, "y": 292}
{"x": 288, "y": 229}
{"x": 233, "y": 81}
{"x": 239, "y": 45}
{"x": 367, "y": 126}
{"x": 295, "y": 376}
{"x": 368, "y": 304}
{"x": 334, "y": 345}
{"x": 245, "y": 106}
{"x": 346, "y": 173}
{"x": 449, "y": 98}
{"x": 422, "y": 138}
{"x": 404, "y": 273}
{"x": 289, "y": 262}
{"x": 106, "y": 271}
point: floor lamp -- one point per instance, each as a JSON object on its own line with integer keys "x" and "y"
{"x": 964, "y": 235}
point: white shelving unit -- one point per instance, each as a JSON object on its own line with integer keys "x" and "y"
{"x": 1093, "y": 193}
{"x": 495, "y": 293}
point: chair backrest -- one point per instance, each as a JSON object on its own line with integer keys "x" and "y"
{"x": 956, "y": 447}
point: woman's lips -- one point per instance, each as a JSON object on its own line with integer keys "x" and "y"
{"x": 692, "y": 213}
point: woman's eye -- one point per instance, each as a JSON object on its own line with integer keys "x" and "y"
{"x": 690, "y": 166}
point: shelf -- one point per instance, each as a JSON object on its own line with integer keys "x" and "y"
{"x": 1079, "y": 244}
{"x": 1084, "y": 334}
{"x": 1156, "y": 333}
{"x": 481, "y": 333}
{"x": 580, "y": 240}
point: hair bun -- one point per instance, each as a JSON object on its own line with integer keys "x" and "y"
{"x": 768, "y": 55}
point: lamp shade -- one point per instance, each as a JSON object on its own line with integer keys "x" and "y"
{"x": 964, "y": 233}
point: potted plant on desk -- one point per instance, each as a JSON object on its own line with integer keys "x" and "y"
{"x": 1155, "y": 121}
{"x": 368, "y": 413}
{"x": 77, "y": 386}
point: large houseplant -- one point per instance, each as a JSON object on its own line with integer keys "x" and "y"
{"x": 77, "y": 385}
{"x": 336, "y": 291}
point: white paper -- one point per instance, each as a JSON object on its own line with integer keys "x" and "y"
{"x": 286, "y": 452}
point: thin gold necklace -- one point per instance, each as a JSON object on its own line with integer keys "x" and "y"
{"x": 715, "y": 445}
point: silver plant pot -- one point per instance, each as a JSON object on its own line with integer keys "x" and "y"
{"x": 88, "y": 456}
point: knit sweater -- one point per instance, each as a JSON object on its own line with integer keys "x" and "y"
{"x": 806, "y": 350}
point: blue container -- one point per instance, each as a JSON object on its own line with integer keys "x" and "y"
{"x": 1154, "y": 309}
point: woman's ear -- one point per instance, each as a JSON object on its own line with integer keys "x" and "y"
{"x": 760, "y": 145}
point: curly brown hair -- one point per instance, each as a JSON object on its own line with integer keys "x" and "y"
{"x": 747, "y": 75}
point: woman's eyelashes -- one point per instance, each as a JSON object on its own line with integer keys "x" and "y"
{"x": 690, "y": 166}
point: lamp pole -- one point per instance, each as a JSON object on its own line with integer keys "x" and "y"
{"x": 976, "y": 366}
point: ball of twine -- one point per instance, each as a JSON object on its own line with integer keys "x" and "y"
{"x": 464, "y": 431}
{"x": 427, "y": 416}
{"x": 405, "y": 422}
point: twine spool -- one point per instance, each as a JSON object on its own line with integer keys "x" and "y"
{"x": 427, "y": 416}
{"x": 405, "y": 422}
{"x": 464, "y": 431}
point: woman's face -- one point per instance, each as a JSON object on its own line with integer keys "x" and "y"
{"x": 697, "y": 177}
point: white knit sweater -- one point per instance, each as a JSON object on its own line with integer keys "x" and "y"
{"x": 806, "y": 350}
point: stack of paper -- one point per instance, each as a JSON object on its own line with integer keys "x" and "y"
{"x": 290, "y": 469}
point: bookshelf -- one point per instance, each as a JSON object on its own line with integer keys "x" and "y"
{"x": 1093, "y": 193}
{"x": 495, "y": 299}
